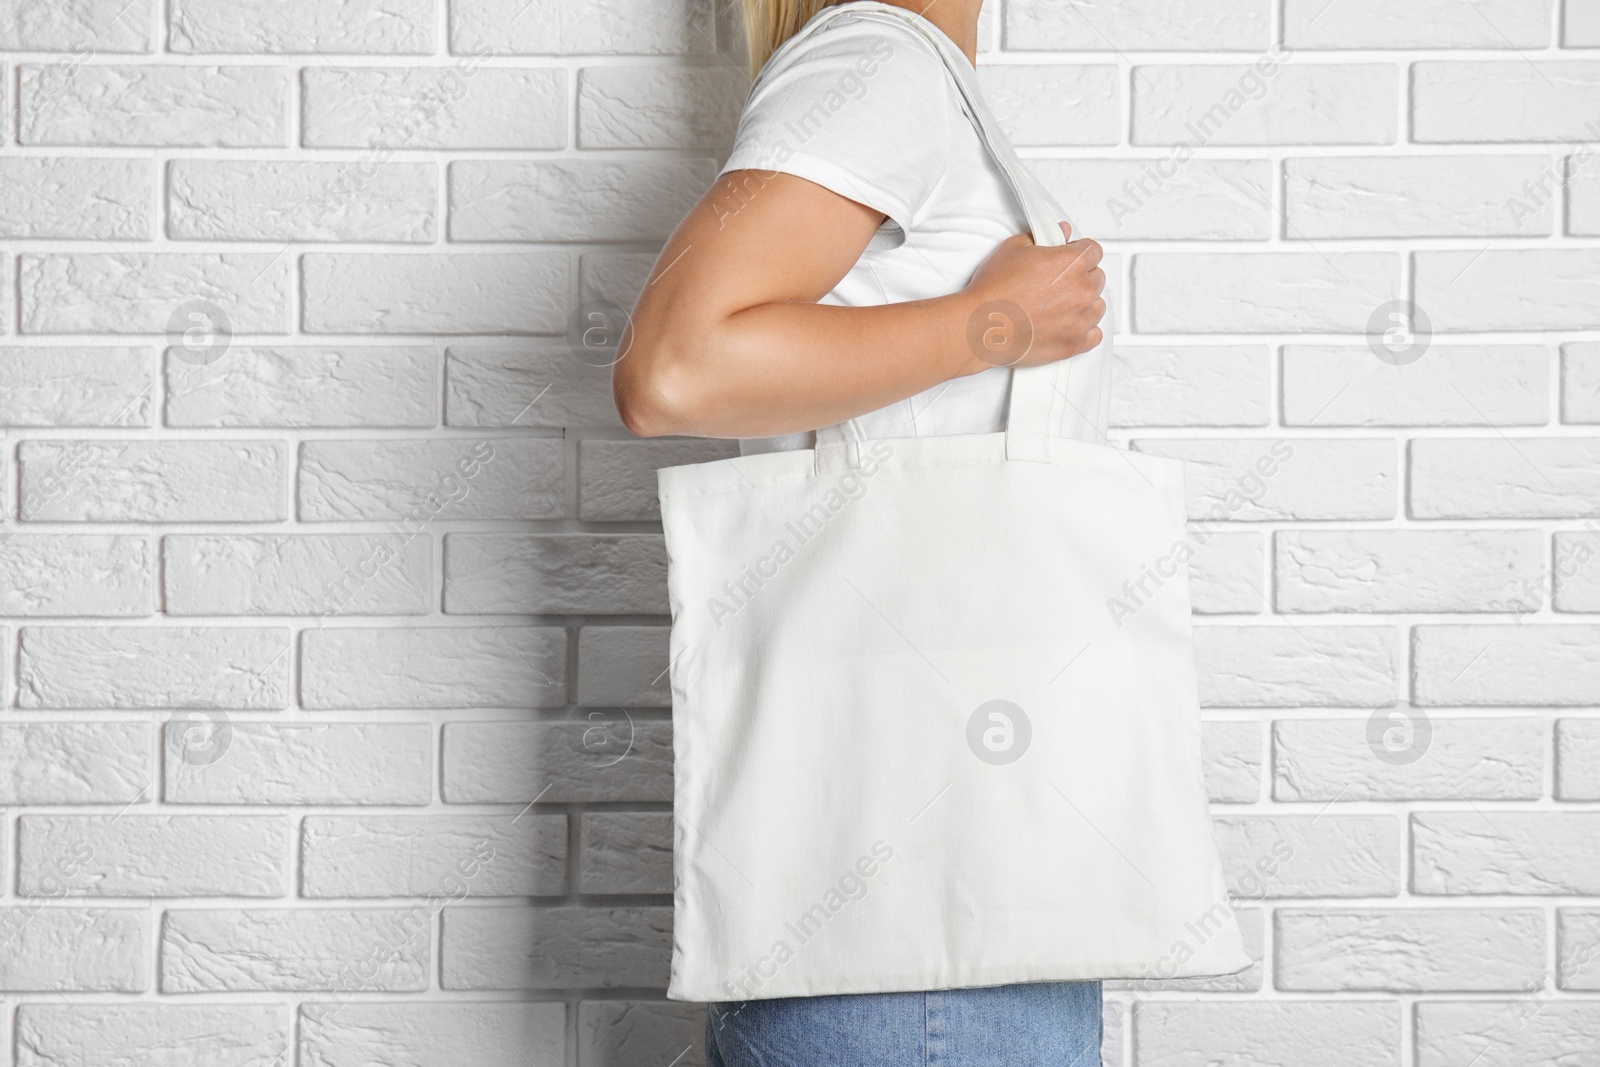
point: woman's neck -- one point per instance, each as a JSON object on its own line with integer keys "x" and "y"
{"x": 957, "y": 18}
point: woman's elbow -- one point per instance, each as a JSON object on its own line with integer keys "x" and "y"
{"x": 643, "y": 415}
{"x": 653, "y": 392}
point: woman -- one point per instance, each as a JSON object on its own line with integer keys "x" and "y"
{"x": 861, "y": 257}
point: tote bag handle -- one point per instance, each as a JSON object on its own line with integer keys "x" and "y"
{"x": 1038, "y": 398}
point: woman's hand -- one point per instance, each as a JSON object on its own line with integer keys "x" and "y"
{"x": 1034, "y": 305}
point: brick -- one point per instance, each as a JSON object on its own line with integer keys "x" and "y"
{"x": 104, "y": 480}
{"x": 730, "y": 40}
{"x": 547, "y": 27}
{"x": 1225, "y": 575}
{"x": 1116, "y": 1023}
{"x": 1446, "y": 759}
{"x": 75, "y": 763}
{"x": 1510, "y": 289}
{"x": 1265, "y": 103}
{"x": 1580, "y": 25}
{"x": 624, "y": 666}
{"x": 660, "y": 107}
{"x": 213, "y": 199}
{"x": 434, "y": 667}
{"x": 626, "y": 852}
{"x": 517, "y": 762}
{"x": 74, "y": 386}
{"x": 322, "y": 385}
{"x": 1418, "y": 196}
{"x": 1410, "y": 950}
{"x": 1422, "y": 24}
{"x": 1409, "y": 570}
{"x": 613, "y": 1033}
{"x": 1206, "y": 200}
{"x": 1577, "y": 949}
{"x": 1455, "y": 385}
{"x": 1512, "y": 853}
{"x": 1060, "y": 104}
{"x": 1192, "y": 385}
{"x": 307, "y": 949}
{"x": 298, "y": 574}
{"x": 1232, "y": 754}
{"x": 152, "y": 667}
{"x": 417, "y": 480}
{"x": 60, "y": 884}
{"x": 1289, "y": 666}
{"x": 1263, "y": 479}
{"x": 1507, "y": 664}
{"x": 80, "y": 576}
{"x": 460, "y": 106}
{"x": 74, "y": 949}
{"x": 156, "y": 855}
{"x": 77, "y": 198}
{"x": 482, "y": 1033}
{"x": 619, "y": 277}
{"x": 1187, "y": 292}
{"x": 331, "y": 763}
{"x": 145, "y": 292}
{"x": 1498, "y": 101}
{"x": 1504, "y": 1033}
{"x": 1580, "y": 382}
{"x": 1578, "y": 759}
{"x": 487, "y": 292}
{"x": 1200, "y": 1034}
{"x": 1310, "y": 856}
{"x": 155, "y": 106}
{"x": 592, "y": 574}
{"x": 1500, "y": 478}
{"x": 249, "y": 26}
{"x": 617, "y": 479}
{"x": 573, "y": 200}
{"x": 1187, "y": 25}
{"x": 547, "y": 387}
{"x": 1583, "y": 194}
{"x": 455, "y": 856}
{"x": 554, "y": 948}
{"x": 85, "y": 28}
{"x": 157, "y": 1035}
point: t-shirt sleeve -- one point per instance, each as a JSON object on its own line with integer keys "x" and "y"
{"x": 862, "y": 107}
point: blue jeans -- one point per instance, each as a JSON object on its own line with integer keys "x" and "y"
{"x": 1045, "y": 1024}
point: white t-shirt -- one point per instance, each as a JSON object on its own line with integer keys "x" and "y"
{"x": 865, "y": 107}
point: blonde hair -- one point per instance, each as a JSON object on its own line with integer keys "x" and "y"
{"x": 769, "y": 23}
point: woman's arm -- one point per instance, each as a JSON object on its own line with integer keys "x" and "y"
{"x": 727, "y": 339}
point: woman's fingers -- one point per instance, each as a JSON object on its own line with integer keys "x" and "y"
{"x": 1083, "y": 254}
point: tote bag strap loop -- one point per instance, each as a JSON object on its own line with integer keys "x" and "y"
{"x": 838, "y": 446}
{"x": 1038, "y": 399}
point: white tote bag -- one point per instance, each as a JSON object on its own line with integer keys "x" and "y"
{"x": 934, "y": 705}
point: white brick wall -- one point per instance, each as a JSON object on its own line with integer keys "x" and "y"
{"x": 332, "y": 638}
